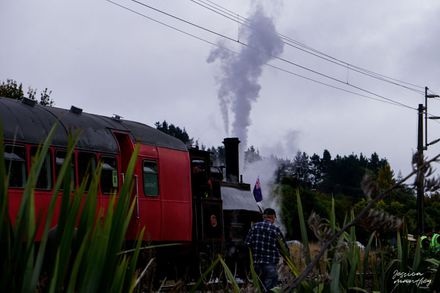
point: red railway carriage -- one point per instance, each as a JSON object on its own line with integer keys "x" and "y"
{"x": 163, "y": 173}
{"x": 180, "y": 197}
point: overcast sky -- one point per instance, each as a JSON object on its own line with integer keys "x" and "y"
{"x": 109, "y": 60}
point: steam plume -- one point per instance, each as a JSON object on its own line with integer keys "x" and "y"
{"x": 238, "y": 85}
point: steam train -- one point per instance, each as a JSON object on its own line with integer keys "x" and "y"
{"x": 179, "y": 196}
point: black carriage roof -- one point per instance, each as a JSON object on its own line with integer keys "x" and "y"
{"x": 26, "y": 121}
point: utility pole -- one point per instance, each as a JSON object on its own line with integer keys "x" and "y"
{"x": 420, "y": 173}
{"x": 421, "y": 146}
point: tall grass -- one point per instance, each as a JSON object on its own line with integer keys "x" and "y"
{"x": 82, "y": 254}
{"x": 350, "y": 269}
{"x": 346, "y": 267}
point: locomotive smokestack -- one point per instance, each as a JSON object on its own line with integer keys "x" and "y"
{"x": 231, "y": 159}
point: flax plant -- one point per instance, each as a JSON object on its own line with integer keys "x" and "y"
{"x": 341, "y": 266}
{"x": 82, "y": 253}
{"x": 230, "y": 279}
{"x": 369, "y": 189}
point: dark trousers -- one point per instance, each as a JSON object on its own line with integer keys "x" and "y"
{"x": 268, "y": 274}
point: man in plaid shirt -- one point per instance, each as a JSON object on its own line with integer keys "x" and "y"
{"x": 264, "y": 239}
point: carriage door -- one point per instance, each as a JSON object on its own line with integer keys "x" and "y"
{"x": 126, "y": 148}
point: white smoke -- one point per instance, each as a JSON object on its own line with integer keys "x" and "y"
{"x": 286, "y": 146}
{"x": 239, "y": 88}
{"x": 238, "y": 84}
{"x": 265, "y": 169}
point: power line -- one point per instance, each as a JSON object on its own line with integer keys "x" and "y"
{"x": 212, "y": 6}
{"x": 304, "y": 48}
{"x": 162, "y": 23}
{"x": 276, "y": 57}
{"x": 341, "y": 81}
{"x": 388, "y": 101}
{"x": 183, "y": 20}
{"x": 234, "y": 16}
{"x": 379, "y": 97}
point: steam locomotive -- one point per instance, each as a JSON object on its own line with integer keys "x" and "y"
{"x": 180, "y": 197}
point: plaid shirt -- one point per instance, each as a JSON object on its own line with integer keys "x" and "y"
{"x": 263, "y": 239}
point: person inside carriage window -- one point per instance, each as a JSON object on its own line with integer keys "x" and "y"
{"x": 264, "y": 240}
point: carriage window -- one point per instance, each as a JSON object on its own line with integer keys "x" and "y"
{"x": 15, "y": 159}
{"x": 109, "y": 175}
{"x": 151, "y": 185}
{"x": 59, "y": 161}
{"x": 86, "y": 167}
{"x": 44, "y": 180}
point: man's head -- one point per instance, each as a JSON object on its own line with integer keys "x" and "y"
{"x": 213, "y": 220}
{"x": 269, "y": 215}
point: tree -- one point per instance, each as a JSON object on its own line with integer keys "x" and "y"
{"x": 217, "y": 155}
{"x": 11, "y": 89}
{"x": 175, "y": 131}
{"x": 252, "y": 155}
{"x": 375, "y": 163}
{"x": 45, "y": 99}
{"x": 316, "y": 170}
{"x": 385, "y": 177}
{"x": 301, "y": 168}
{"x": 344, "y": 174}
{"x": 326, "y": 159}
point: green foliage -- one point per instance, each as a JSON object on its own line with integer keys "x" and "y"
{"x": 373, "y": 269}
{"x": 341, "y": 175}
{"x": 229, "y": 276}
{"x": 432, "y": 208}
{"x": 289, "y": 209}
{"x": 311, "y": 201}
{"x": 255, "y": 279}
{"x": 385, "y": 177}
{"x": 11, "y": 89}
{"x": 82, "y": 253}
{"x": 401, "y": 202}
{"x": 302, "y": 225}
{"x": 344, "y": 175}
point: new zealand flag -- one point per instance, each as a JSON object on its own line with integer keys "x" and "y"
{"x": 257, "y": 191}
